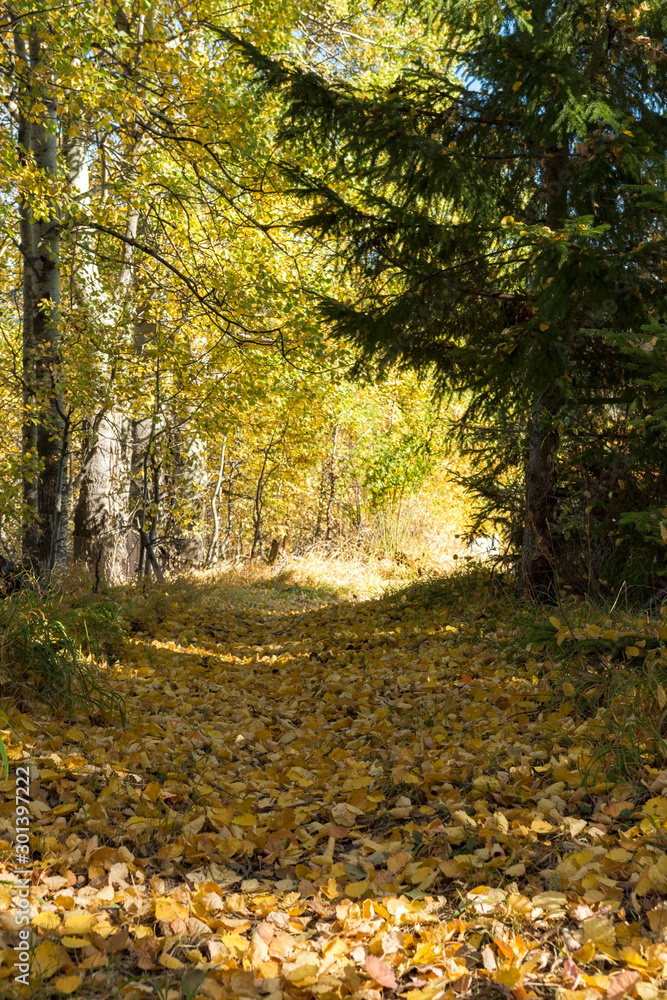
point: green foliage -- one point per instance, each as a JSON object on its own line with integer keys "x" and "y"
{"x": 48, "y": 651}
{"x": 640, "y": 530}
{"x": 500, "y": 207}
{"x": 398, "y": 466}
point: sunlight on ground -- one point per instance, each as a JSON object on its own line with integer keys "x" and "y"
{"x": 319, "y": 798}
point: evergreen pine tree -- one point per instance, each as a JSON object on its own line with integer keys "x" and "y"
{"x": 501, "y": 208}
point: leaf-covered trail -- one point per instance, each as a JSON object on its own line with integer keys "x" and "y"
{"x": 342, "y": 800}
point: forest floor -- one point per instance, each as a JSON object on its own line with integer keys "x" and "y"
{"x": 327, "y": 797}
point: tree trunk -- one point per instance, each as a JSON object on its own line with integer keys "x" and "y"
{"x": 50, "y": 412}
{"x": 332, "y": 483}
{"x": 258, "y": 505}
{"x": 538, "y": 569}
{"x": 100, "y": 534}
{"x": 212, "y": 554}
{"x": 30, "y": 531}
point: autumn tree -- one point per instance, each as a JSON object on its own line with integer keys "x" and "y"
{"x": 156, "y": 258}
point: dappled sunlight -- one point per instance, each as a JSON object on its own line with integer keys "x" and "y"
{"x": 335, "y": 798}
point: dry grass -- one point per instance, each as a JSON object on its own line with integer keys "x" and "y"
{"x": 316, "y": 575}
{"x": 419, "y": 538}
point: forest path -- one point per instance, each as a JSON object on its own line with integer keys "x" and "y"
{"x": 329, "y": 799}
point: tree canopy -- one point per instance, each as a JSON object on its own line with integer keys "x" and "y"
{"x": 230, "y": 237}
{"x": 498, "y": 208}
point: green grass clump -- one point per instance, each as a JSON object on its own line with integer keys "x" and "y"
{"x": 49, "y": 648}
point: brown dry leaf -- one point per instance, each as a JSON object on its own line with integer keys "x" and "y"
{"x": 380, "y": 972}
{"x": 599, "y": 931}
{"x": 571, "y": 971}
{"x": 621, "y": 983}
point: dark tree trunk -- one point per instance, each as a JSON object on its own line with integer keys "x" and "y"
{"x": 538, "y": 564}
{"x": 538, "y": 568}
{"x": 45, "y": 268}
{"x": 30, "y": 533}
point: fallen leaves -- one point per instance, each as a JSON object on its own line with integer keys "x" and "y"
{"x": 405, "y": 813}
{"x": 380, "y": 972}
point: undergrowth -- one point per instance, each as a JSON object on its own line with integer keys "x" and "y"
{"x": 610, "y": 666}
{"x": 53, "y": 649}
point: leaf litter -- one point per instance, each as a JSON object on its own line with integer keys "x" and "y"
{"x": 389, "y": 797}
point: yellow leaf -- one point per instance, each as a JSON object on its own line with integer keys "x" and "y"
{"x": 517, "y": 84}
{"x": 451, "y": 868}
{"x": 515, "y": 871}
{"x": 600, "y": 931}
{"x": 486, "y": 783}
{"x": 425, "y": 954}
{"x": 67, "y": 984}
{"x": 562, "y": 634}
{"x": 599, "y": 981}
{"x": 47, "y": 920}
{"x": 75, "y": 942}
{"x": 235, "y": 942}
{"x": 586, "y": 953}
{"x": 619, "y": 854}
{"x": 65, "y": 809}
{"x": 75, "y": 735}
{"x": 47, "y": 959}
{"x": 303, "y": 971}
{"x": 657, "y": 918}
{"x": 247, "y": 819}
{"x": 507, "y": 975}
{"x": 479, "y": 890}
{"x": 151, "y": 791}
{"x": 356, "y": 889}
{"x": 507, "y": 220}
{"x": 212, "y": 989}
{"x": 170, "y": 909}
{"x": 169, "y": 962}
{"x": 331, "y": 890}
{"x": 648, "y": 991}
{"x": 541, "y": 826}
{"x": 656, "y": 806}
{"x": 551, "y": 902}
{"x": 79, "y": 922}
{"x": 632, "y": 651}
